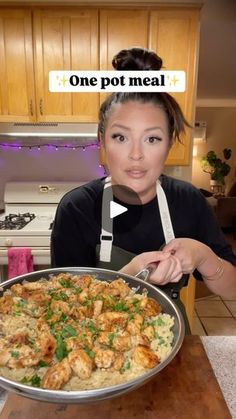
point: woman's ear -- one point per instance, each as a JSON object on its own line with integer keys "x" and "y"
{"x": 101, "y": 141}
{"x": 102, "y": 151}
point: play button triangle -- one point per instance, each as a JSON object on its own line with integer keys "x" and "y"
{"x": 116, "y": 209}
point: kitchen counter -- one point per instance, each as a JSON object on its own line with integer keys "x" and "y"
{"x": 186, "y": 388}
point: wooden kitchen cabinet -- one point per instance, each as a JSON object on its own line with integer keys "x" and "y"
{"x": 174, "y": 36}
{"x": 17, "y": 94}
{"x": 58, "y": 39}
{"x": 120, "y": 29}
{"x": 172, "y": 32}
{"x": 35, "y": 40}
{"x": 65, "y": 39}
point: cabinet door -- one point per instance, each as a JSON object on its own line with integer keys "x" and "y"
{"x": 120, "y": 29}
{"x": 174, "y": 36}
{"x": 17, "y": 97}
{"x": 65, "y": 39}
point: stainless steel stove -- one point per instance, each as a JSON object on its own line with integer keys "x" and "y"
{"x": 27, "y": 220}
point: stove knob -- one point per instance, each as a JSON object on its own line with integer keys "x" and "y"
{"x": 8, "y": 242}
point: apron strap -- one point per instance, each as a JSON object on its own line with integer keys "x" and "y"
{"x": 106, "y": 237}
{"x": 165, "y": 214}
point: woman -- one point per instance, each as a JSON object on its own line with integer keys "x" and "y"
{"x": 137, "y": 131}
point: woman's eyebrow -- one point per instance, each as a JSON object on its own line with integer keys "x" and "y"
{"x": 153, "y": 128}
{"x": 115, "y": 125}
{"x": 120, "y": 126}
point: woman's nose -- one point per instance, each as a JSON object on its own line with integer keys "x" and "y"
{"x": 136, "y": 152}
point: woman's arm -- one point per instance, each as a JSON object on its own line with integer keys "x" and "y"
{"x": 183, "y": 256}
{"x": 218, "y": 274}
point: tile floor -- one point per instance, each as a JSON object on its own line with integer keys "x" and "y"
{"x": 213, "y": 315}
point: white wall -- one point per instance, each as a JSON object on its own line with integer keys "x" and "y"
{"x": 61, "y": 165}
{"x": 51, "y": 165}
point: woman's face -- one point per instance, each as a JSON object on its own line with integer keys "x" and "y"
{"x": 137, "y": 145}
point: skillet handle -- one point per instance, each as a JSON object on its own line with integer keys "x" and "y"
{"x": 145, "y": 273}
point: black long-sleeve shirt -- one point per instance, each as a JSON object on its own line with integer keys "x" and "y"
{"x": 77, "y": 226}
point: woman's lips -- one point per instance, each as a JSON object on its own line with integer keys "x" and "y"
{"x": 136, "y": 174}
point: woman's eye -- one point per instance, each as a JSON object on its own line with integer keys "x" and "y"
{"x": 153, "y": 140}
{"x": 119, "y": 137}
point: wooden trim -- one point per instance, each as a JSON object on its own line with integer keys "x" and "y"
{"x": 124, "y": 4}
{"x": 187, "y": 296}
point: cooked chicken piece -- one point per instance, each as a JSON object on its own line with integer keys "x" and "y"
{"x": 56, "y": 283}
{"x": 97, "y": 289}
{"x": 60, "y": 306}
{"x": 57, "y": 376}
{"x": 140, "y": 340}
{"x": 33, "y": 310}
{"x": 145, "y": 357}
{"x": 15, "y": 357}
{"x": 149, "y": 332}
{"x": 108, "y": 302}
{"x": 150, "y": 307}
{"x": 82, "y": 281}
{"x": 19, "y": 290}
{"x": 81, "y": 312}
{"x": 34, "y": 286}
{"x": 80, "y": 363}
{"x": 47, "y": 344}
{"x": 73, "y": 343}
{"x": 18, "y": 338}
{"x": 86, "y": 339}
{"x": 4, "y": 343}
{"x": 72, "y": 296}
{"x": 5, "y": 355}
{"x": 39, "y": 298}
{"x": 119, "y": 362}
{"x": 84, "y": 295}
{"x": 104, "y": 358}
{"x": 118, "y": 288}
{"x": 83, "y": 340}
{"x": 104, "y": 338}
{"x": 6, "y": 304}
{"x": 97, "y": 308}
{"x": 107, "y": 321}
{"x": 134, "y": 325}
{"x": 42, "y": 325}
{"x": 122, "y": 343}
{"x": 115, "y": 341}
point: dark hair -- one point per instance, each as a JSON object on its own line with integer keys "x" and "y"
{"x": 143, "y": 59}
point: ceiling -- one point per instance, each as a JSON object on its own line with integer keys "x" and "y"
{"x": 217, "y": 51}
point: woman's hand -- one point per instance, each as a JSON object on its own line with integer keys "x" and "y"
{"x": 191, "y": 253}
{"x": 180, "y": 256}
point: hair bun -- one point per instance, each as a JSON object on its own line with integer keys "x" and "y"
{"x": 136, "y": 59}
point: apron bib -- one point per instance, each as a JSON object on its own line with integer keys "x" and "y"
{"x": 114, "y": 258}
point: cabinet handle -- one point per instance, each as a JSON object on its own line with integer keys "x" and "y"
{"x": 31, "y": 108}
{"x": 41, "y": 106}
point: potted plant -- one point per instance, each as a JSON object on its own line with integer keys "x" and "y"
{"x": 216, "y": 167}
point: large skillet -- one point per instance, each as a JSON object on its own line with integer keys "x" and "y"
{"x": 84, "y": 396}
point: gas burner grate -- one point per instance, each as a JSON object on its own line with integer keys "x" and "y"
{"x": 16, "y": 221}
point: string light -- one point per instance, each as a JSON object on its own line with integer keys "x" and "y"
{"x": 49, "y": 146}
